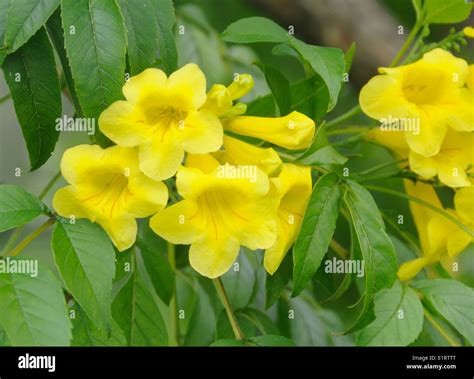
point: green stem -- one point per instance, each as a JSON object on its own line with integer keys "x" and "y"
{"x": 4, "y": 98}
{"x": 381, "y": 166}
{"x": 345, "y": 116}
{"x": 440, "y": 211}
{"x": 406, "y": 45}
{"x": 351, "y": 130}
{"x": 439, "y": 328}
{"x": 30, "y": 238}
{"x": 174, "y": 322}
{"x": 228, "y": 308}
{"x": 339, "y": 249}
{"x": 49, "y": 185}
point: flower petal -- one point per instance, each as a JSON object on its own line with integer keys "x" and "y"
{"x": 77, "y": 161}
{"x": 457, "y": 242}
{"x": 428, "y": 140}
{"x": 410, "y": 269}
{"x": 294, "y": 131}
{"x": 213, "y": 258}
{"x": 124, "y": 124}
{"x": 202, "y": 133}
{"x": 148, "y": 83}
{"x": 188, "y": 84}
{"x": 146, "y": 196}
{"x": 179, "y": 223}
{"x": 66, "y": 203}
{"x": 122, "y": 231}
{"x": 160, "y": 159}
{"x": 464, "y": 204}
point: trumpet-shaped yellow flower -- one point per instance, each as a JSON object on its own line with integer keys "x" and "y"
{"x": 220, "y": 99}
{"x": 439, "y": 237}
{"x": 294, "y": 189}
{"x": 294, "y": 131}
{"x": 163, "y": 118}
{"x": 219, "y": 213}
{"x": 107, "y": 187}
{"x": 452, "y": 164}
{"x": 430, "y": 90}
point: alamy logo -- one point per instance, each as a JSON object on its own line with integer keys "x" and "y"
{"x": 70, "y": 124}
{"x": 228, "y": 171}
{"x": 344, "y": 266}
{"x": 19, "y": 266}
{"x": 400, "y": 124}
{"x": 46, "y": 362}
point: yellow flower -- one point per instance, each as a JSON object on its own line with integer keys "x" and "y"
{"x": 220, "y": 98}
{"x": 294, "y": 189}
{"x": 220, "y": 212}
{"x": 107, "y": 187}
{"x": 439, "y": 237}
{"x": 430, "y": 90}
{"x": 294, "y": 131}
{"x": 163, "y": 118}
{"x": 451, "y": 164}
{"x": 468, "y": 31}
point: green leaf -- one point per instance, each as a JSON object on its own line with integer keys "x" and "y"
{"x": 277, "y": 282}
{"x": 165, "y": 18}
{"x": 254, "y": 29}
{"x": 318, "y": 226}
{"x": 349, "y": 57}
{"x": 85, "y": 333}
{"x": 375, "y": 245}
{"x": 56, "y": 34}
{"x": 327, "y": 155}
{"x": 136, "y": 312}
{"x": 310, "y": 97}
{"x": 3, "y": 338}
{"x": 31, "y": 75}
{"x": 95, "y": 43}
{"x": 446, "y": 11}
{"x": 327, "y": 62}
{"x": 263, "y": 106}
{"x": 33, "y": 309}
{"x": 86, "y": 261}
{"x": 24, "y": 19}
{"x": 271, "y": 340}
{"x": 261, "y": 321}
{"x": 18, "y": 207}
{"x": 280, "y": 88}
{"x": 142, "y": 31}
{"x": 452, "y": 300}
{"x": 4, "y": 5}
{"x": 153, "y": 250}
{"x": 398, "y": 318}
{"x": 418, "y": 6}
{"x": 228, "y": 342}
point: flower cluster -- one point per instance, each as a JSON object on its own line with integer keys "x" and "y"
{"x": 432, "y": 101}
{"x": 233, "y": 193}
{"x": 437, "y": 92}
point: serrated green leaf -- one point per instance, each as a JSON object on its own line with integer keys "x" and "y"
{"x": 37, "y": 314}
{"x": 56, "y": 34}
{"x": 165, "y": 17}
{"x": 318, "y": 226}
{"x": 137, "y": 314}
{"x": 17, "y": 207}
{"x": 86, "y": 261}
{"x": 327, "y": 62}
{"x": 452, "y": 300}
{"x": 153, "y": 250}
{"x": 254, "y": 29}
{"x": 85, "y": 333}
{"x": 24, "y": 19}
{"x": 95, "y": 42}
{"x": 142, "y": 31}
{"x": 277, "y": 282}
{"x": 398, "y": 318}
{"x": 446, "y": 11}
{"x": 376, "y": 247}
{"x": 31, "y": 75}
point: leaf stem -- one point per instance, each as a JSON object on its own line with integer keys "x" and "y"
{"x": 228, "y": 308}
{"x": 31, "y": 237}
{"x": 49, "y": 185}
{"x": 339, "y": 249}
{"x": 4, "y": 98}
{"x": 174, "y": 336}
{"x": 439, "y": 328}
{"x": 345, "y": 116}
{"x": 406, "y": 45}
